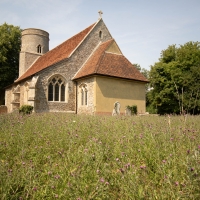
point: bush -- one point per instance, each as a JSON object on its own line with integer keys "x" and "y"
{"x": 26, "y": 109}
{"x": 133, "y": 109}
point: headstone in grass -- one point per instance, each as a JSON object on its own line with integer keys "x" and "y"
{"x": 127, "y": 112}
{"x": 116, "y": 110}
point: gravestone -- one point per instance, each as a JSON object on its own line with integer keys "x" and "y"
{"x": 116, "y": 109}
{"x": 127, "y": 112}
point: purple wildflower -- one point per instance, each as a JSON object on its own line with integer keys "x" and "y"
{"x": 102, "y": 180}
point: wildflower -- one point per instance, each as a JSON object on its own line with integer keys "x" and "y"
{"x": 78, "y": 198}
{"x": 34, "y": 188}
{"x": 49, "y": 173}
{"x": 192, "y": 169}
{"x": 102, "y": 180}
{"x": 199, "y": 147}
{"x": 56, "y": 196}
{"x": 188, "y": 151}
{"x": 74, "y": 121}
{"x": 107, "y": 183}
{"x": 117, "y": 159}
{"x": 57, "y": 177}
{"x": 127, "y": 165}
{"x": 164, "y": 161}
{"x": 176, "y": 183}
{"x": 142, "y": 167}
{"x": 98, "y": 171}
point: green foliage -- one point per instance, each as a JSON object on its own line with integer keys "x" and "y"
{"x": 133, "y": 109}
{"x": 62, "y": 156}
{"x": 10, "y": 40}
{"x": 175, "y": 80}
{"x": 26, "y": 109}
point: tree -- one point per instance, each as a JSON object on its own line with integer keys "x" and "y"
{"x": 175, "y": 80}
{"x": 10, "y": 40}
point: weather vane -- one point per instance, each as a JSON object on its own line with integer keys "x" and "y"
{"x": 100, "y": 14}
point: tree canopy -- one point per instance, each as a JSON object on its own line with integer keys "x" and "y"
{"x": 10, "y": 40}
{"x": 175, "y": 80}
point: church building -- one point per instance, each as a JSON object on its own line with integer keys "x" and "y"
{"x": 86, "y": 74}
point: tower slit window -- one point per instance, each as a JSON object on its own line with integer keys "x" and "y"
{"x": 100, "y": 34}
{"x": 39, "y": 49}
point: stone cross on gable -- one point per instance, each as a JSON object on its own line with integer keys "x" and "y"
{"x": 100, "y": 14}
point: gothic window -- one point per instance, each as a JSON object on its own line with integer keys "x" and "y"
{"x": 82, "y": 97}
{"x": 56, "y": 89}
{"x": 39, "y": 49}
{"x": 62, "y": 92}
{"x": 84, "y": 93}
{"x": 50, "y": 92}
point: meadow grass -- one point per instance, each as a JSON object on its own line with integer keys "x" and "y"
{"x": 65, "y": 156}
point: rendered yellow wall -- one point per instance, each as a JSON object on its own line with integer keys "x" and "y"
{"x": 110, "y": 90}
{"x": 113, "y": 48}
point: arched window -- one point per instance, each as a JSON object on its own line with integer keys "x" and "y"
{"x": 82, "y": 97}
{"x": 56, "y": 89}
{"x": 39, "y": 49}
{"x": 84, "y": 94}
{"x": 100, "y": 34}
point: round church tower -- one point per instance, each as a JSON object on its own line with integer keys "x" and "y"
{"x": 34, "y": 43}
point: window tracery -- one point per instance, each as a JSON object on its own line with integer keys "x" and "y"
{"x": 84, "y": 94}
{"x": 57, "y": 89}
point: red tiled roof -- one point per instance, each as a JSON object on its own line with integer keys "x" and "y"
{"x": 110, "y": 64}
{"x": 57, "y": 54}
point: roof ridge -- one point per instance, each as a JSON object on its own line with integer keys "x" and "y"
{"x": 103, "y": 54}
{"x": 88, "y": 58}
{"x": 113, "y": 53}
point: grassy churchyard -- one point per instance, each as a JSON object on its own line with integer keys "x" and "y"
{"x": 62, "y": 156}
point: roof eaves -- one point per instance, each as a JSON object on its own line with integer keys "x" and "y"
{"x": 99, "y": 74}
{"x": 27, "y": 70}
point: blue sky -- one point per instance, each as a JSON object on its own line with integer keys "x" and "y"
{"x": 142, "y": 28}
